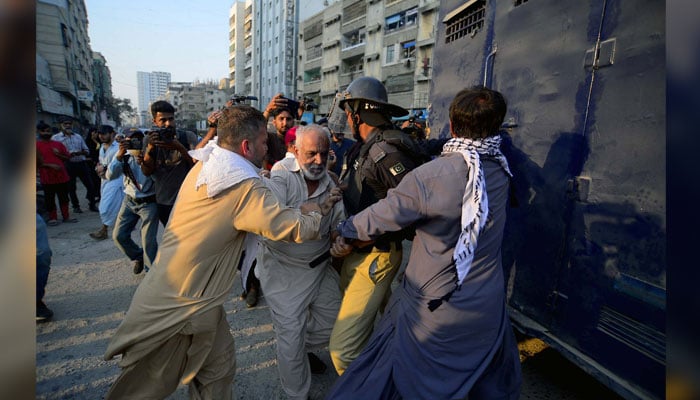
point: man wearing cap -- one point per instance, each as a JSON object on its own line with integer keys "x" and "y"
{"x": 374, "y": 165}
{"x": 446, "y": 333}
{"x": 139, "y": 203}
{"x": 111, "y": 190}
{"x": 77, "y": 165}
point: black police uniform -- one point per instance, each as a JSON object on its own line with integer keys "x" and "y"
{"x": 374, "y": 167}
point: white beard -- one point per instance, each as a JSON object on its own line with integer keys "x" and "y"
{"x": 311, "y": 176}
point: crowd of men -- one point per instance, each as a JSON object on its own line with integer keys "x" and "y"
{"x": 314, "y": 222}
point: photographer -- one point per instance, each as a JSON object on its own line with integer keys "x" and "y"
{"x": 283, "y": 118}
{"x": 213, "y": 117}
{"x": 166, "y": 158}
{"x": 139, "y": 203}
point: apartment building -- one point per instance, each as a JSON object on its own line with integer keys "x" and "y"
{"x": 64, "y": 61}
{"x": 391, "y": 40}
{"x": 102, "y": 85}
{"x": 193, "y": 101}
{"x": 151, "y": 86}
{"x": 263, "y": 46}
{"x": 241, "y": 47}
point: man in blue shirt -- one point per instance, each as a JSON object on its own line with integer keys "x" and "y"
{"x": 139, "y": 203}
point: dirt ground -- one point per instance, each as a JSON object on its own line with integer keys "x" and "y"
{"x": 90, "y": 287}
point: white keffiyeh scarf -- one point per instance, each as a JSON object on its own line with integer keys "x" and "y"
{"x": 221, "y": 168}
{"x": 475, "y": 204}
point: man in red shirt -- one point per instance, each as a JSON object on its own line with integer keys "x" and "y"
{"x": 50, "y": 157}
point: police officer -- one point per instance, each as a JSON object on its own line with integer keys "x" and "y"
{"x": 375, "y": 164}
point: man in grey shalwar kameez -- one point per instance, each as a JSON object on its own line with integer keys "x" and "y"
{"x": 446, "y": 332}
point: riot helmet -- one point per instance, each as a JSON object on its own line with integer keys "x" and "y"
{"x": 367, "y": 97}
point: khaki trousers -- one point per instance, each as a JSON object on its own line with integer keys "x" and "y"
{"x": 202, "y": 355}
{"x": 365, "y": 280}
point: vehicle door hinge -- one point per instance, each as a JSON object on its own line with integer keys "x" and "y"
{"x": 601, "y": 55}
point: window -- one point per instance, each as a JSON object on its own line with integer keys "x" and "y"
{"x": 399, "y": 20}
{"x": 314, "y": 52}
{"x": 355, "y": 38}
{"x": 355, "y": 10}
{"x": 64, "y": 35}
{"x": 312, "y": 75}
{"x": 408, "y": 49}
{"x": 277, "y": 60}
{"x": 465, "y": 20}
{"x": 389, "y": 54}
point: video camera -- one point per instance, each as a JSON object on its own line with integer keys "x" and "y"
{"x": 240, "y": 98}
{"x": 166, "y": 134}
{"x": 294, "y": 105}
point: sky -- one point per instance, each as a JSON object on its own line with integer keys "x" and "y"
{"x": 187, "y": 38}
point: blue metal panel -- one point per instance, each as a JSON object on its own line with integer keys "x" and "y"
{"x": 585, "y": 247}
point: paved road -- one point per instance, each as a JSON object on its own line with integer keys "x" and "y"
{"x": 90, "y": 287}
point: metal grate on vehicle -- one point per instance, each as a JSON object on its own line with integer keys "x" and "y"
{"x": 467, "y": 19}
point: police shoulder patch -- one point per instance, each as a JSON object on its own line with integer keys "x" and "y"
{"x": 397, "y": 169}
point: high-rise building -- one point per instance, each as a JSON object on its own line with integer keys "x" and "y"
{"x": 390, "y": 40}
{"x": 151, "y": 86}
{"x": 241, "y": 47}
{"x": 263, "y": 38}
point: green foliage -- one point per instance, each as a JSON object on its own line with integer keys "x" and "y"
{"x": 119, "y": 109}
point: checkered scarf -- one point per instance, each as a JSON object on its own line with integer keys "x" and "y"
{"x": 475, "y": 204}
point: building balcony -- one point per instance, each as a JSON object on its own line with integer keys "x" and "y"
{"x": 352, "y": 51}
{"x": 345, "y": 78}
{"x": 428, "y": 5}
{"x": 312, "y": 87}
{"x": 310, "y": 64}
{"x": 425, "y": 42}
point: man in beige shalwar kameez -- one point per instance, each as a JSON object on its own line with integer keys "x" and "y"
{"x": 176, "y": 330}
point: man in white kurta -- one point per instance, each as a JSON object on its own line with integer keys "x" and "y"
{"x": 111, "y": 190}
{"x": 300, "y": 285}
{"x": 175, "y": 330}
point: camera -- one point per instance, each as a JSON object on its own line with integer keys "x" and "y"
{"x": 134, "y": 143}
{"x": 240, "y": 98}
{"x": 166, "y": 134}
{"x": 309, "y": 104}
{"x": 292, "y": 105}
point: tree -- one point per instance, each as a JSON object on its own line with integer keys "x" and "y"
{"x": 120, "y": 109}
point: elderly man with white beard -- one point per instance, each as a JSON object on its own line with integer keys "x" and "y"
{"x": 300, "y": 285}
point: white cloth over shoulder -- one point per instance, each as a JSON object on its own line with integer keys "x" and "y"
{"x": 221, "y": 168}
{"x": 475, "y": 205}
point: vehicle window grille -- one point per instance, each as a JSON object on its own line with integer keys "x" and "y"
{"x": 467, "y": 22}
{"x": 519, "y": 2}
